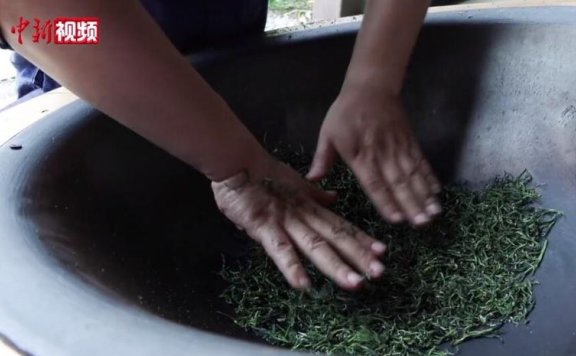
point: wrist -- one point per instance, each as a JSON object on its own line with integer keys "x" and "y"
{"x": 382, "y": 81}
{"x": 364, "y": 87}
{"x": 253, "y": 162}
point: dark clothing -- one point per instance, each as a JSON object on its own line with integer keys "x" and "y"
{"x": 196, "y": 23}
{"x": 29, "y": 78}
{"x": 190, "y": 25}
{"x": 3, "y": 44}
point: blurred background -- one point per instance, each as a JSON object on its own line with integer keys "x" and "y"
{"x": 283, "y": 13}
{"x": 7, "y": 91}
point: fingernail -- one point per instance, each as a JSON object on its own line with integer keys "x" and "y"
{"x": 434, "y": 209}
{"x": 304, "y": 283}
{"x": 376, "y": 269}
{"x": 354, "y": 278}
{"x": 421, "y": 219}
{"x": 378, "y": 247}
{"x": 312, "y": 175}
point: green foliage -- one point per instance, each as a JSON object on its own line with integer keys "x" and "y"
{"x": 461, "y": 278}
{"x": 289, "y": 5}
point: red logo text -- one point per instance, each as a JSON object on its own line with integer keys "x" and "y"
{"x": 63, "y": 30}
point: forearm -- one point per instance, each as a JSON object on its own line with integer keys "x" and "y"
{"x": 384, "y": 44}
{"x": 136, "y": 76}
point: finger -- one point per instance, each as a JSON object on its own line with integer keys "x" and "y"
{"x": 425, "y": 170}
{"x": 400, "y": 171}
{"x": 431, "y": 203}
{"x": 411, "y": 166}
{"x": 425, "y": 177}
{"x": 340, "y": 224}
{"x": 319, "y": 251}
{"x": 377, "y": 247}
{"x": 376, "y": 189}
{"x": 278, "y": 246}
{"x": 430, "y": 177}
{"x": 404, "y": 194}
{"x": 324, "y": 158}
{"x": 349, "y": 241}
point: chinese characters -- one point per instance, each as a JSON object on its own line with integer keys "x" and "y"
{"x": 73, "y": 30}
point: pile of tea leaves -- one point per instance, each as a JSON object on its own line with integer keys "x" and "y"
{"x": 462, "y": 277}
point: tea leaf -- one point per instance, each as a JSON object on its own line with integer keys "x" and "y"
{"x": 462, "y": 277}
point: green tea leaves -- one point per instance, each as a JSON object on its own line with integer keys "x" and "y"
{"x": 462, "y": 277}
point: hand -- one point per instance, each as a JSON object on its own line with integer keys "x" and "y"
{"x": 281, "y": 211}
{"x": 370, "y": 132}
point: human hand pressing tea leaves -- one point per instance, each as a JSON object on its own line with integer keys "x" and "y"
{"x": 368, "y": 128}
{"x": 463, "y": 277}
{"x": 370, "y": 132}
{"x": 367, "y": 125}
{"x": 178, "y": 111}
{"x": 284, "y": 213}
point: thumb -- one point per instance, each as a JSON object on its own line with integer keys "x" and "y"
{"x": 324, "y": 158}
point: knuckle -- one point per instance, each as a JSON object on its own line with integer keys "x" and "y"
{"x": 254, "y": 229}
{"x": 292, "y": 264}
{"x": 338, "y": 234}
{"x": 412, "y": 169}
{"x": 314, "y": 242}
{"x": 375, "y": 184}
{"x": 281, "y": 245}
{"x": 344, "y": 230}
{"x": 339, "y": 238}
{"x": 336, "y": 264}
{"x": 399, "y": 180}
